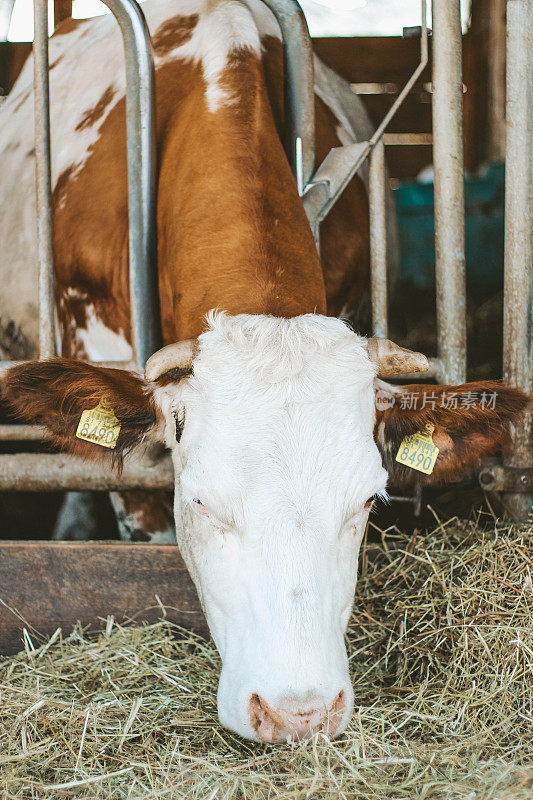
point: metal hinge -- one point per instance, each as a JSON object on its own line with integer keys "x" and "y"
{"x": 506, "y": 479}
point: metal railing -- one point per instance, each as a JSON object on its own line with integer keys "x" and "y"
{"x": 518, "y": 288}
{"x": 141, "y": 165}
{"x": 319, "y": 190}
{"x": 515, "y": 477}
{"x": 299, "y": 92}
{"x": 27, "y": 471}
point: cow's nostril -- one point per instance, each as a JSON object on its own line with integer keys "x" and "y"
{"x": 335, "y": 713}
{"x": 266, "y": 722}
{"x": 285, "y": 724}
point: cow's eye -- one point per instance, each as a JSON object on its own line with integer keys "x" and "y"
{"x": 199, "y": 507}
{"x": 370, "y": 502}
{"x": 180, "y": 422}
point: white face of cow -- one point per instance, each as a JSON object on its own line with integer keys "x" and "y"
{"x": 275, "y": 469}
{"x": 275, "y": 466}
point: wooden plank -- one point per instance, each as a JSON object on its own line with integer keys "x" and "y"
{"x": 362, "y": 59}
{"x": 47, "y": 472}
{"x": 496, "y": 78}
{"x": 46, "y": 585}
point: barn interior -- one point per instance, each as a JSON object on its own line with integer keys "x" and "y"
{"x": 108, "y": 673}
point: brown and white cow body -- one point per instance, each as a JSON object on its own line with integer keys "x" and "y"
{"x": 218, "y": 116}
{"x": 270, "y": 414}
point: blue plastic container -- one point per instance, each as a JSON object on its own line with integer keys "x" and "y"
{"x": 484, "y": 207}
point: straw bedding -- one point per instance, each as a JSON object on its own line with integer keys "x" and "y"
{"x": 441, "y": 652}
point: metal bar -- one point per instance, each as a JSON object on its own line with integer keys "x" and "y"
{"x": 407, "y": 138}
{"x": 141, "y": 126}
{"x": 517, "y": 322}
{"x": 43, "y": 180}
{"x": 45, "y": 472}
{"x": 21, "y": 433}
{"x": 447, "y": 102}
{"x": 512, "y": 480}
{"x": 412, "y": 80}
{"x": 299, "y": 84}
{"x": 378, "y": 240}
{"x": 374, "y": 88}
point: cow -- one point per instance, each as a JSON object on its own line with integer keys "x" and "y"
{"x": 265, "y": 399}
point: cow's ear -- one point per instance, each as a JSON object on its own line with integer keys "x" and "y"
{"x": 467, "y": 423}
{"x": 57, "y": 393}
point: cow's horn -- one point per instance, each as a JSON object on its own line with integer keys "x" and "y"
{"x": 179, "y": 356}
{"x": 391, "y": 359}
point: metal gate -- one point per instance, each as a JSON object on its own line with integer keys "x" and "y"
{"x": 319, "y": 190}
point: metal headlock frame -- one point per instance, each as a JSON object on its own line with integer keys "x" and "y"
{"x": 319, "y": 191}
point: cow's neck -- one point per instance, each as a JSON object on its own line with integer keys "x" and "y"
{"x": 232, "y": 232}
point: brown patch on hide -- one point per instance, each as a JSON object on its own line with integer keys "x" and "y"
{"x": 344, "y": 234}
{"x": 61, "y": 187}
{"x": 150, "y": 510}
{"x": 92, "y": 115}
{"x": 174, "y": 33}
{"x": 232, "y": 234}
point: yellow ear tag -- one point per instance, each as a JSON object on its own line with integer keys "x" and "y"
{"x": 99, "y": 426}
{"x": 418, "y": 451}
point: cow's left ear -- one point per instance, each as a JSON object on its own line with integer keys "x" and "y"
{"x": 467, "y": 423}
{"x": 97, "y": 413}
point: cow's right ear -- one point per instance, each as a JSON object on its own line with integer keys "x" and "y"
{"x": 56, "y": 393}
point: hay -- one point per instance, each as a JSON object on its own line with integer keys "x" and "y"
{"x": 441, "y": 653}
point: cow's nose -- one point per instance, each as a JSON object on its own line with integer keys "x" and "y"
{"x": 291, "y": 722}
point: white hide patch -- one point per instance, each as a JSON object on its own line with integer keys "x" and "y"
{"x": 100, "y": 342}
{"x": 221, "y": 31}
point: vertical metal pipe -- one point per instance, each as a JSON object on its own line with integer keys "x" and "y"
{"x": 43, "y": 180}
{"x": 140, "y": 124}
{"x": 517, "y": 322}
{"x": 378, "y": 240}
{"x": 299, "y": 84}
{"x": 449, "y": 190}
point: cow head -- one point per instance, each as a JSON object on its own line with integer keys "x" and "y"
{"x": 279, "y": 451}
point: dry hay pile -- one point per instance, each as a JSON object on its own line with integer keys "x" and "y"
{"x": 441, "y": 653}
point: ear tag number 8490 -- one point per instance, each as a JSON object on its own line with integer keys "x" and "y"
{"x": 418, "y": 451}
{"x": 99, "y": 426}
